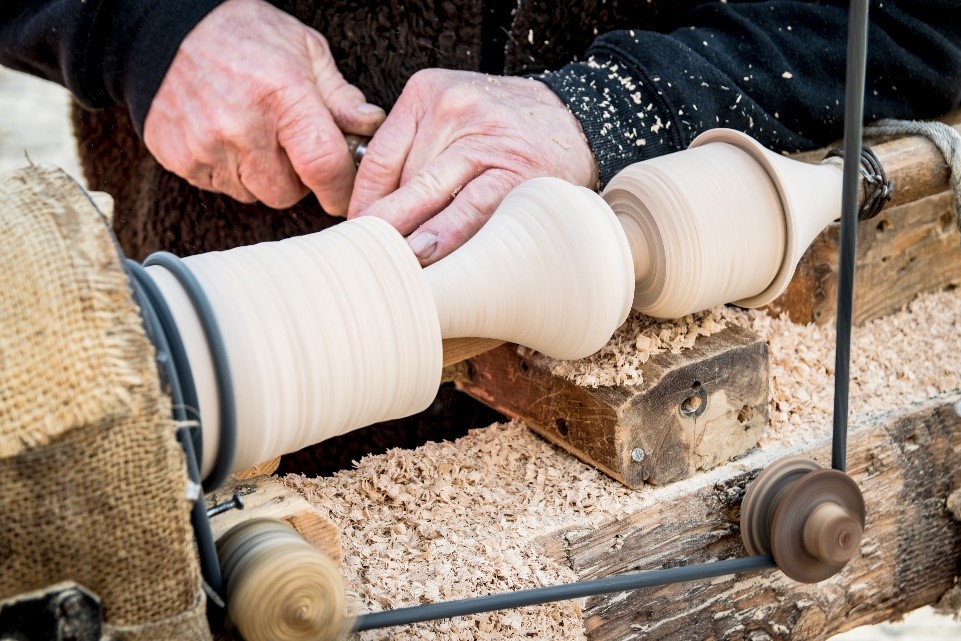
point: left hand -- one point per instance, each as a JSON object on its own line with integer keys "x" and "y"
{"x": 454, "y": 145}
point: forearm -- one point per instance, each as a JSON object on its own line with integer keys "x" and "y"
{"x": 773, "y": 69}
{"x": 104, "y": 51}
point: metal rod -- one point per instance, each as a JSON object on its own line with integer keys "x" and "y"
{"x": 537, "y": 596}
{"x": 847, "y": 252}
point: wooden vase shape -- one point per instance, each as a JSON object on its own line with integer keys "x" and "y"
{"x": 325, "y": 333}
{"x": 724, "y": 221}
{"x": 551, "y": 270}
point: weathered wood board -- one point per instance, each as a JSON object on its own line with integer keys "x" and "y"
{"x": 694, "y": 409}
{"x": 907, "y": 465}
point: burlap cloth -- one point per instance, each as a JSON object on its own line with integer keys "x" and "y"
{"x": 92, "y": 481}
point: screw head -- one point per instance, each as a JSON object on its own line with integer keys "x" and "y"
{"x": 638, "y": 454}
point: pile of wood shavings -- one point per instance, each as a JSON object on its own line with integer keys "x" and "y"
{"x": 429, "y": 524}
{"x": 637, "y": 340}
{"x": 907, "y": 357}
{"x": 469, "y": 518}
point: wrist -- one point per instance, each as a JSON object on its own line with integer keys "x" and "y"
{"x": 154, "y": 34}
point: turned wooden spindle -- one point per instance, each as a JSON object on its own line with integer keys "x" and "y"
{"x": 325, "y": 333}
{"x": 551, "y": 270}
{"x": 336, "y": 330}
{"x": 724, "y": 221}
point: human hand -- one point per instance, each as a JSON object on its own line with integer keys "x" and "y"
{"x": 253, "y": 106}
{"x": 454, "y": 145}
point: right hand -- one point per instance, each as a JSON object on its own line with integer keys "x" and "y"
{"x": 253, "y": 106}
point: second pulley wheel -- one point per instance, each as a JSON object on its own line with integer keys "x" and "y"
{"x": 809, "y": 519}
{"x": 279, "y": 587}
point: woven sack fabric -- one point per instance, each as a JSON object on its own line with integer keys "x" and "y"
{"x": 92, "y": 481}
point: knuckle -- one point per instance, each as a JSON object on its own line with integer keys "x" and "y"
{"x": 428, "y": 183}
{"x": 324, "y": 163}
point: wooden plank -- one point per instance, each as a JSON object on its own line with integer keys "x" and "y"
{"x": 906, "y": 464}
{"x": 694, "y": 409}
{"x": 267, "y": 497}
{"x": 460, "y": 349}
{"x": 913, "y": 246}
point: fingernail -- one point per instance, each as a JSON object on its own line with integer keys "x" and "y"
{"x": 423, "y": 244}
{"x": 367, "y": 109}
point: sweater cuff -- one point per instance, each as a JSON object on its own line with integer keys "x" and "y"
{"x": 136, "y": 65}
{"x": 623, "y": 122}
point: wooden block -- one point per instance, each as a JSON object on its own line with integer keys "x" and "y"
{"x": 913, "y": 246}
{"x": 693, "y": 410}
{"x": 905, "y": 463}
{"x": 267, "y": 497}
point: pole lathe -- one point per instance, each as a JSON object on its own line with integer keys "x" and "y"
{"x": 269, "y": 348}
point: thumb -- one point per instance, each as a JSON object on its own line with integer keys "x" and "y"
{"x": 345, "y": 102}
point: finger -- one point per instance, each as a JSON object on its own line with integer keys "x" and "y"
{"x": 456, "y": 224}
{"x": 428, "y": 192}
{"x": 232, "y": 187}
{"x": 316, "y": 148}
{"x": 380, "y": 171}
{"x": 350, "y": 110}
{"x": 270, "y": 177}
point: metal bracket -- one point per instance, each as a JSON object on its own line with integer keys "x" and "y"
{"x": 61, "y": 612}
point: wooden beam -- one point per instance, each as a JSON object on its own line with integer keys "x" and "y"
{"x": 906, "y": 464}
{"x": 694, "y": 409}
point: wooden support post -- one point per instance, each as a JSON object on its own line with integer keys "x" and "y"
{"x": 906, "y": 464}
{"x": 694, "y": 409}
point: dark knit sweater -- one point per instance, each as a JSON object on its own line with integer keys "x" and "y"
{"x": 773, "y": 69}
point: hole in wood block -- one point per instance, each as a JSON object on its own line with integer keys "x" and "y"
{"x": 561, "y": 426}
{"x": 695, "y": 404}
{"x": 525, "y": 366}
{"x": 745, "y": 415}
{"x": 883, "y": 225}
{"x": 946, "y": 221}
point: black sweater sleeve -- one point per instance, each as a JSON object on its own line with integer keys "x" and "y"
{"x": 104, "y": 51}
{"x": 772, "y": 69}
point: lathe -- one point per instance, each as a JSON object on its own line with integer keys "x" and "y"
{"x": 129, "y": 389}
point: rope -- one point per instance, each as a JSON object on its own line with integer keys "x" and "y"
{"x": 945, "y": 137}
{"x": 878, "y": 189}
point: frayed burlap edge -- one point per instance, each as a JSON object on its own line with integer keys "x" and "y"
{"x": 92, "y": 481}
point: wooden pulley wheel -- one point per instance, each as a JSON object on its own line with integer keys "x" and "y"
{"x": 763, "y": 496}
{"x": 278, "y": 586}
{"x": 809, "y": 519}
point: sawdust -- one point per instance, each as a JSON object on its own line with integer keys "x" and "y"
{"x": 453, "y": 520}
{"x": 469, "y": 518}
{"x": 636, "y": 341}
{"x": 904, "y": 358}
